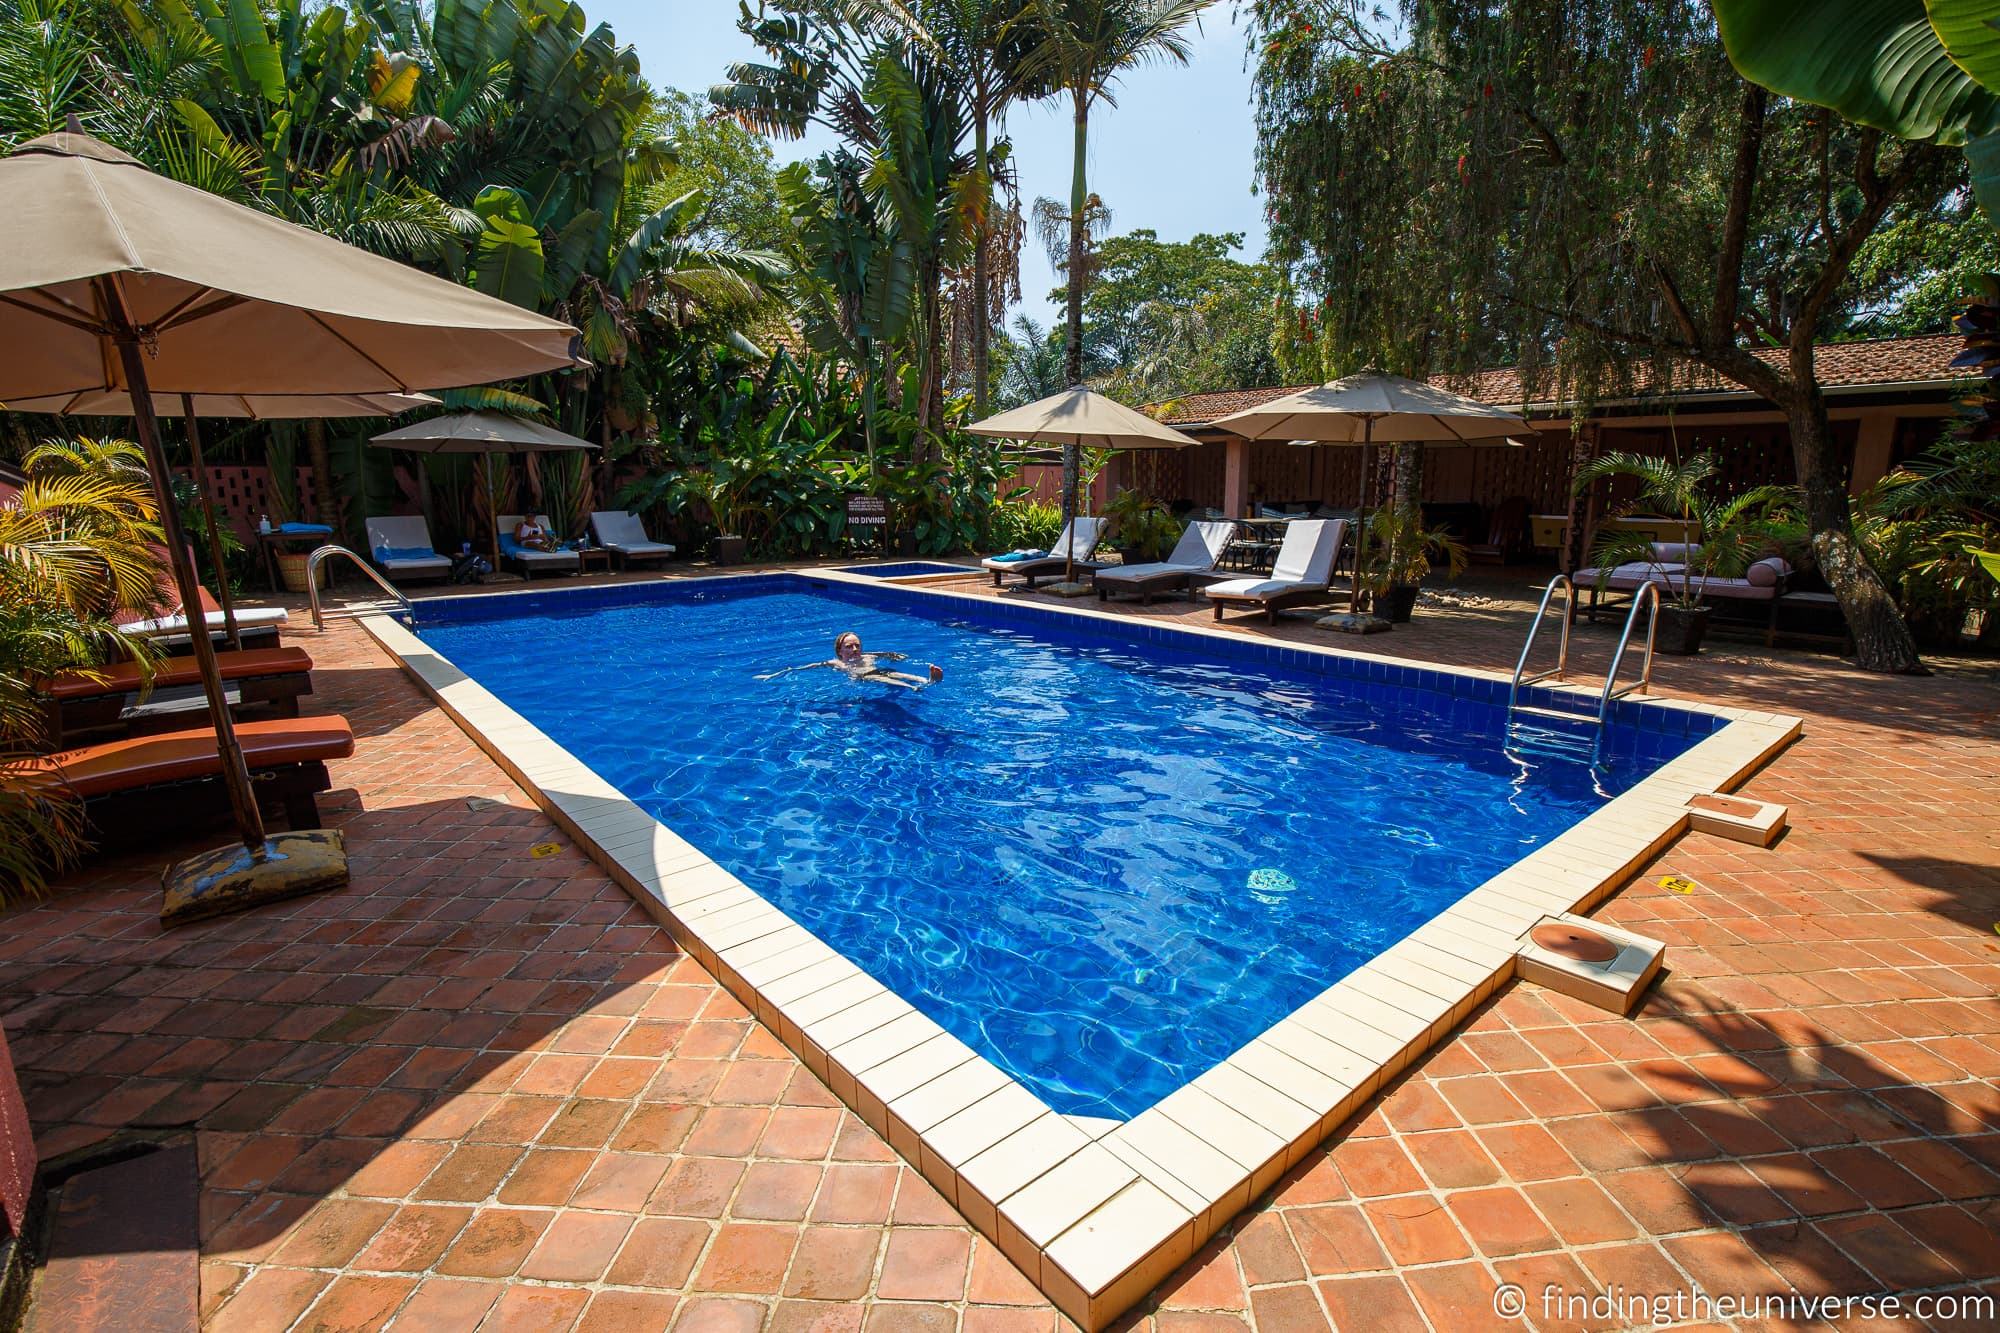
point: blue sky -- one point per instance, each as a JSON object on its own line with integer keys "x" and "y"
{"x": 1174, "y": 155}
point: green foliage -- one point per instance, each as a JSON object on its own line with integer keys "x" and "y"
{"x": 1402, "y": 552}
{"x": 1730, "y": 532}
{"x": 1179, "y": 317}
{"x": 1025, "y": 525}
{"x": 77, "y": 542}
{"x": 1917, "y": 69}
{"x": 1142, "y": 529}
{"x": 733, "y": 170}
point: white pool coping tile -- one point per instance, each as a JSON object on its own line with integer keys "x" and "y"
{"x": 1097, "y": 1213}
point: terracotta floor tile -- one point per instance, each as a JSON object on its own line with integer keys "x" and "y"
{"x": 749, "y": 1257}
{"x": 448, "y": 1305}
{"x": 576, "y": 1247}
{"x": 628, "y": 1312}
{"x": 855, "y": 1192}
{"x": 269, "y": 1298}
{"x": 495, "y": 1242}
{"x": 1500, "y": 1221}
{"x": 524, "y": 1309}
{"x": 1416, "y": 1229}
{"x": 356, "y": 1303}
{"x": 1580, "y": 1211}
{"x": 414, "y": 1239}
{"x": 332, "y": 1233}
{"x": 697, "y": 1187}
{"x": 1380, "y": 1302}
{"x": 924, "y": 1265}
{"x": 776, "y": 1191}
{"x": 1265, "y": 1246}
{"x": 659, "y": 1252}
{"x": 1452, "y": 1159}
{"x": 1335, "y": 1238}
{"x": 834, "y": 1263}
{"x": 1295, "y": 1308}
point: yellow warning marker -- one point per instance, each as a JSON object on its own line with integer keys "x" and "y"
{"x": 1678, "y": 884}
{"x": 544, "y": 849}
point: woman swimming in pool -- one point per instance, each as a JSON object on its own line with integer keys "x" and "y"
{"x": 857, "y": 665}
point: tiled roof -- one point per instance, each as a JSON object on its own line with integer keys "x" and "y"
{"x": 1880, "y": 361}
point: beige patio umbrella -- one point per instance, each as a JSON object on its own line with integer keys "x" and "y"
{"x": 1089, "y": 420}
{"x": 486, "y": 433}
{"x": 114, "y": 278}
{"x": 232, "y": 406}
{"x": 1367, "y": 409}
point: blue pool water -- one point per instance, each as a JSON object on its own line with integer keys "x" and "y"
{"x": 1103, "y": 860}
{"x": 902, "y": 569}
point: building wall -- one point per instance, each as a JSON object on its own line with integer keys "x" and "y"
{"x": 1754, "y": 449}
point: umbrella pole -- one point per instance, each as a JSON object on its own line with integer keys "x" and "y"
{"x": 235, "y": 774}
{"x": 492, "y": 506}
{"x": 1361, "y": 515}
{"x": 222, "y": 590}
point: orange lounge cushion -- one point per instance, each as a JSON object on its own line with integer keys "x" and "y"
{"x": 126, "y": 678}
{"x": 132, "y": 762}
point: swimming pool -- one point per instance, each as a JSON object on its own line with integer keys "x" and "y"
{"x": 1104, "y": 858}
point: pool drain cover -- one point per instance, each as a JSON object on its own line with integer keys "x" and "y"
{"x": 1585, "y": 946}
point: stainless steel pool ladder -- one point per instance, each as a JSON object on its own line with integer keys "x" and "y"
{"x": 1560, "y": 671}
{"x": 349, "y": 611}
{"x": 1647, "y": 598}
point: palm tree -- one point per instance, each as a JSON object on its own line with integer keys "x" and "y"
{"x": 983, "y": 48}
{"x": 74, "y": 544}
{"x": 1082, "y": 48}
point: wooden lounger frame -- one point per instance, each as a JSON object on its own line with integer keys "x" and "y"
{"x": 279, "y": 694}
{"x": 1276, "y": 602}
{"x": 170, "y": 809}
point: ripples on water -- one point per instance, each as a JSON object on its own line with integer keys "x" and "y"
{"x": 1103, "y": 871}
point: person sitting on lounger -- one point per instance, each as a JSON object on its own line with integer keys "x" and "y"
{"x": 851, "y": 661}
{"x": 532, "y": 536}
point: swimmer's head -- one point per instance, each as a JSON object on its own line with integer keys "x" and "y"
{"x": 847, "y": 647}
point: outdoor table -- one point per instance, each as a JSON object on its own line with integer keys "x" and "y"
{"x": 268, "y": 544}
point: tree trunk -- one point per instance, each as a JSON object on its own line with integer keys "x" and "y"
{"x": 982, "y": 282}
{"x": 1409, "y": 488}
{"x": 1881, "y": 638}
{"x": 317, "y": 454}
{"x": 1073, "y": 312}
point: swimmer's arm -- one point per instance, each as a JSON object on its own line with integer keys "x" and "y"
{"x": 786, "y": 671}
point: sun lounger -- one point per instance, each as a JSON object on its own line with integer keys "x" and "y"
{"x": 142, "y": 787}
{"x": 624, "y": 535}
{"x": 1196, "y": 553}
{"x": 1084, "y": 530}
{"x": 257, "y": 625}
{"x": 401, "y": 547}
{"x": 532, "y": 562}
{"x": 1303, "y": 571}
{"x": 1764, "y": 583}
{"x": 78, "y": 701}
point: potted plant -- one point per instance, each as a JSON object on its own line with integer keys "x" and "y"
{"x": 1726, "y": 535}
{"x": 1142, "y": 529}
{"x": 1402, "y": 552}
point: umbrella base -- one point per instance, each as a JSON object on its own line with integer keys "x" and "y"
{"x": 228, "y": 880}
{"x": 1076, "y": 588}
{"x": 1350, "y": 623}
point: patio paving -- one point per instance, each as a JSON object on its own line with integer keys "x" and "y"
{"x": 480, "y": 1088}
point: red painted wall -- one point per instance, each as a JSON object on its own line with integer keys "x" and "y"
{"x": 17, "y": 1145}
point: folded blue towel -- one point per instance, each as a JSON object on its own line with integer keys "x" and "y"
{"x": 383, "y": 554}
{"x": 307, "y": 529}
{"x": 508, "y": 546}
{"x": 1014, "y": 557}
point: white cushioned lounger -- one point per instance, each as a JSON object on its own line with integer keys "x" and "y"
{"x": 624, "y": 535}
{"x": 1302, "y": 572}
{"x": 536, "y": 562}
{"x": 406, "y": 532}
